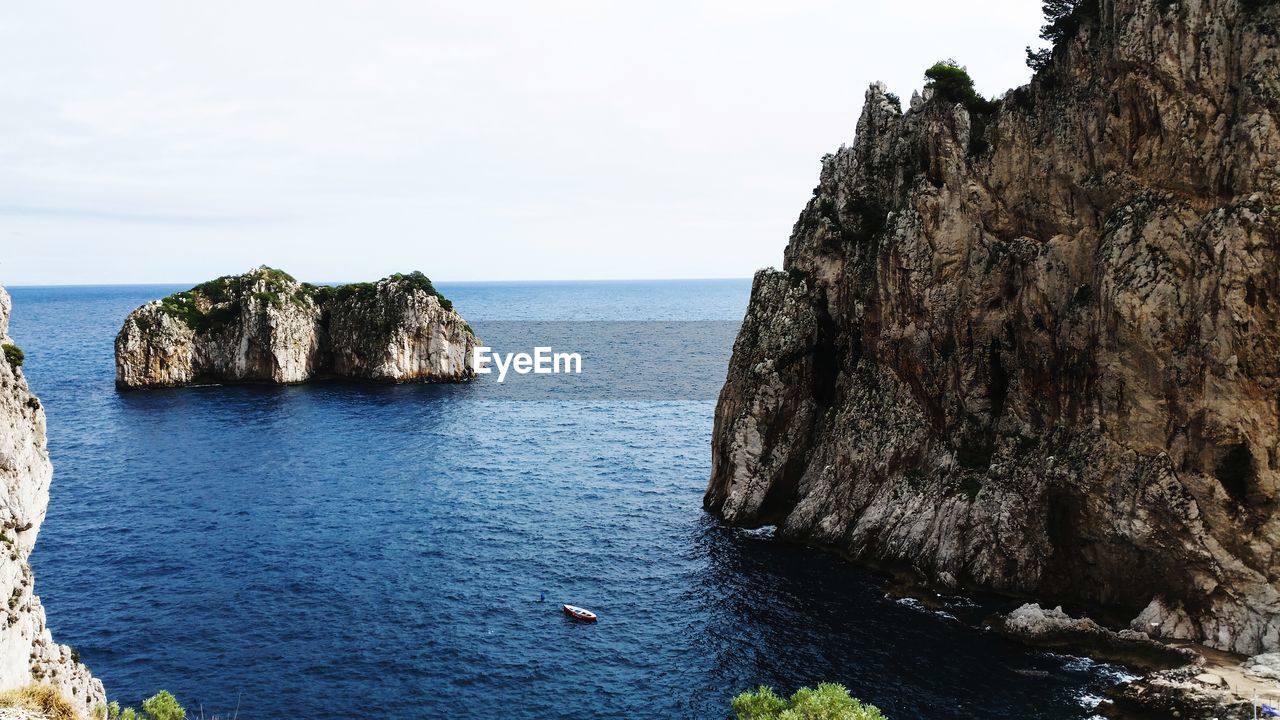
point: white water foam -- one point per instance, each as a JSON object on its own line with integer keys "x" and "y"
{"x": 914, "y": 604}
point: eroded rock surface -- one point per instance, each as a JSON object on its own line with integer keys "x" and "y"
{"x": 1186, "y": 692}
{"x": 1038, "y": 351}
{"x": 266, "y": 327}
{"x": 28, "y": 652}
{"x": 1053, "y": 628}
{"x": 1264, "y": 667}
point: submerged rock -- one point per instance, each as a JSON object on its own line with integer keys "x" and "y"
{"x": 28, "y": 653}
{"x": 1035, "y": 346}
{"x": 266, "y": 327}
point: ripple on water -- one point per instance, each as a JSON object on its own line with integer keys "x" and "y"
{"x": 302, "y": 551}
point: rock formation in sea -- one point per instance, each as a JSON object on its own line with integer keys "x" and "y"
{"x": 28, "y": 653}
{"x": 1034, "y": 346}
{"x": 1055, "y": 629}
{"x": 266, "y": 327}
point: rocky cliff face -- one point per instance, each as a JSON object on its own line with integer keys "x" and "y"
{"x": 1036, "y": 348}
{"x": 264, "y": 326}
{"x": 27, "y": 651}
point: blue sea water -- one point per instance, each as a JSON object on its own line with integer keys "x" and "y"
{"x": 342, "y": 550}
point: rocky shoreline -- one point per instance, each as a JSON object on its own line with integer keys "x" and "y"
{"x": 1180, "y": 680}
{"x": 1176, "y": 679}
{"x": 266, "y": 327}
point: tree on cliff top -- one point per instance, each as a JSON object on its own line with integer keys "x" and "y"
{"x": 950, "y": 81}
{"x": 828, "y": 702}
{"x": 1062, "y": 20}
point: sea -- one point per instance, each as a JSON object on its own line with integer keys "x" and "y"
{"x": 337, "y": 550}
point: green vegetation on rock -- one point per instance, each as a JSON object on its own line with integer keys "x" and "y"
{"x": 161, "y": 706}
{"x": 421, "y": 282}
{"x": 1063, "y": 19}
{"x": 13, "y": 354}
{"x": 950, "y": 81}
{"x": 366, "y": 290}
{"x": 829, "y": 701}
{"x": 220, "y": 302}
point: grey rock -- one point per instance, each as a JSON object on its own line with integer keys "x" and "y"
{"x": 1045, "y": 363}
{"x": 1265, "y": 666}
{"x": 28, "y": 652}
{"x": 1179, "y": 692}
{"x": 265, "y": 326}
{"x": 1210, "y": 679}
{"x": 1053, "y": 628}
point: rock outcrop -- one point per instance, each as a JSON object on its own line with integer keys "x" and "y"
{"x": 1035, "y": 347}
{"x": 266, "y": 327}
{"x": 28, "y": 653}
{"x": 1186, "y": 692}
{"x": 1055, "y": 629}
{"x": 1263, "y": 667}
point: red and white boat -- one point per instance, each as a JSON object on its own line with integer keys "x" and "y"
{"x": 578, "y": 613}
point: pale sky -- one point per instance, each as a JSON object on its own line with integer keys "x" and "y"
{"x": 174, "y": 141}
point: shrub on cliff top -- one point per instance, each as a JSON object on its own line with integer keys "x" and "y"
{"x": 1062, "y": 20}
{"x": 828, "y": 702}
{"x": 950, "y": 81}
{"x": 215, "y": 303}
{"x": 415, "y": 280}
{"x": 421, "y": 282}
{"x": 14, "y": 354}
{"x": 188, "y": 308}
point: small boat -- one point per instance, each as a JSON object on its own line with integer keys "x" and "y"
{"x": 578, "y": 613}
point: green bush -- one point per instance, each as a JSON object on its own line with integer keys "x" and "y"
{"x": 828, "y": 702}
{"x": 13, "y": 354}
{"x": 763, "y": 704}
{"x": 161, "y": 706}
{"x": 950, "y": 81}
{"x": 421, "y": 282}
{"x": 113, "y": 711}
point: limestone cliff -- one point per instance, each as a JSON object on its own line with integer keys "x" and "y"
{"x": 1034, "y": 346}
{"x": 27, "y": 651}
{"x": 264, "y": 326}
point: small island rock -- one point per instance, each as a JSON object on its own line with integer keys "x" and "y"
{"x": 266, "y": 327}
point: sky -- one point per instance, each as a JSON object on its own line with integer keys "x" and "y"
{"x": 175, "y": 141}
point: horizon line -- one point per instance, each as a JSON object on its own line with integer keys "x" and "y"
{"x": 442, "y": 282}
